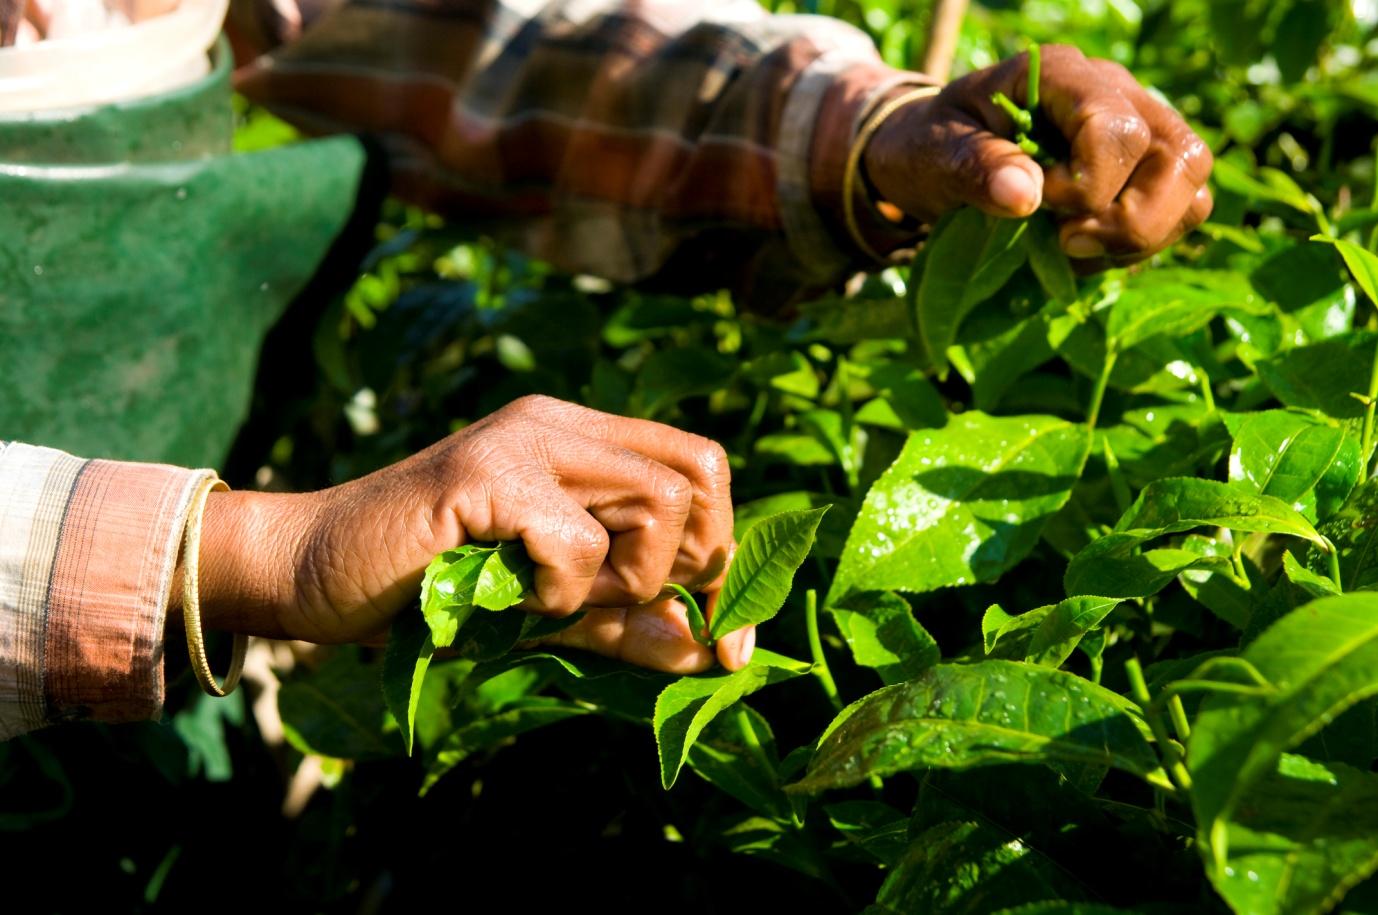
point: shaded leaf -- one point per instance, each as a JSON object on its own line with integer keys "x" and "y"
{"x": 1320, "y": 659}
{"x": 880, "y": 629}
{"x": 405, "y": 661}
{"x": 969, "y": 256}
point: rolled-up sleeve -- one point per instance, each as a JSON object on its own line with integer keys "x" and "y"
{"x": 87, "y": 553}
{"x": 689, "y": 145}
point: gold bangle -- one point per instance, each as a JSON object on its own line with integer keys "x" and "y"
{"x": 849, "y": 175}
{"x": 191, "y": 600}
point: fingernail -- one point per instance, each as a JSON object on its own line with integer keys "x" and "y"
{"x": 744, "y": 650}
{"x": 1084, "y": 246}
{"x": 1013, "y": 189}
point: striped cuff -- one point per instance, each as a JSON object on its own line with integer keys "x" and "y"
{"x": 87, "y": 552}
{"x": 823, "y": 113}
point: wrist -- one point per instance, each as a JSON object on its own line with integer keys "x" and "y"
{"x": 849, "y": 104}
{"x": 250, "y": 548}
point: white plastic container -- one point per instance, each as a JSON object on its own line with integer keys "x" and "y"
{"x": 113, "y": 65}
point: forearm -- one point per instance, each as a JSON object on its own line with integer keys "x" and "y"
{"x": 695, "y": 145}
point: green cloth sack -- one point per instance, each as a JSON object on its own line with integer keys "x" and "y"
{"x": 143, "y": 264}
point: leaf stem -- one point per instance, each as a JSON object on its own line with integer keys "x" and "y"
{"x": 1332, "y": 555}
{"x": 1098, "y": 394}
{"x": 1172, "y": 754}
{"x": 697, "y": 624}
{"x": 1366, "y": 446}
{"x": 820, "y": 663}
{"x": 753, "y": 743}
{"x": 1178, "y": 713}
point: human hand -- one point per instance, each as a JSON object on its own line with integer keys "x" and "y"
{"x": 608, "y": 508}
{"x": 1135, "y": 181}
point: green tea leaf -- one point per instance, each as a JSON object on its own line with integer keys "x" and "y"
{"x": 336, "y": 710}
{"x": 759, "y": 579}
{"x": 507, "y": 575}
{"x": 1111, "y": 566}
{"x": 1362, "y": 263}
{"x": 1303, "y": 459}
{"x": 960, "y": 504}
{"x": 1304, "y": 835}
{"x": 736, "y": 754}
{"x": 880, "y": 629}
{"x": 1173, "y": 303}
{"x": 969, "y": 257}
{"x": 959, "y": 716}
{"x": 447, "y": 591}
{"x": 1352, "y": 530}
{"x": 970, "y": 869}
{"x": 1320, "y": 659}
{"x": 1322, "y": 376}
{"x": 1058, "y": 635}
{"x": 877, "y": 829}
{"x": 1046, "y": 257}
{"x": 405, "y": 661}
{"x": 831, "y": 535}
{"x": 524, "y": 714}
{"x": 685, "y": 707}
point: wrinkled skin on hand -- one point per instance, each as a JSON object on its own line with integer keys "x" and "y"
{"x": 1134, "y": 184}
{"x": 609, "y": 509}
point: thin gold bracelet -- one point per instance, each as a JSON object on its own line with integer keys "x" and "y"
{"x": 849, "y": 175}
{"x": 191, "y": 600}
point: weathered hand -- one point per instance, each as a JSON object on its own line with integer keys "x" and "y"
{"x": 609, "y": 509}
{"x": 1134, "y": 183}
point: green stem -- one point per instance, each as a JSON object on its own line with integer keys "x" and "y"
{"x": 1206, "y": 393}
{"x": 1370, "y": 404}
{"x": 1178, "y": 714}
{"x": 1098, "y": 395}
{"x": 753, "y": 743}
{"x": 820, "y": 663}
{"x": 698, "y": 625}
{"x": 1172, "y": 754}
{"x": 1035, "y": 76}
{"x": 1332, "y": 556}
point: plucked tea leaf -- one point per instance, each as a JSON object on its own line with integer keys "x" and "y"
{"x": 447, "y": 591}
{"x": 959, "y": 716}
{"x": 759, "y": 579}
{"x": 960, "y": 504}
{"x": 506, "y": 576}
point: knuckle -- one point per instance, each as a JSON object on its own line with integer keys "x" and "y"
{"x": 587, "y": 544}
{"x": 710, "y": 458}
{"x": 1196, "y": 159}
{"x": 674, "y": 492}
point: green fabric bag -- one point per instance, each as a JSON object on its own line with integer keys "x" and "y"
{"x": 142, "y": 265}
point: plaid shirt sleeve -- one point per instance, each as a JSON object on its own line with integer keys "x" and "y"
{"x": 87, "y": 552}
{"x": 683, "y": 145}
